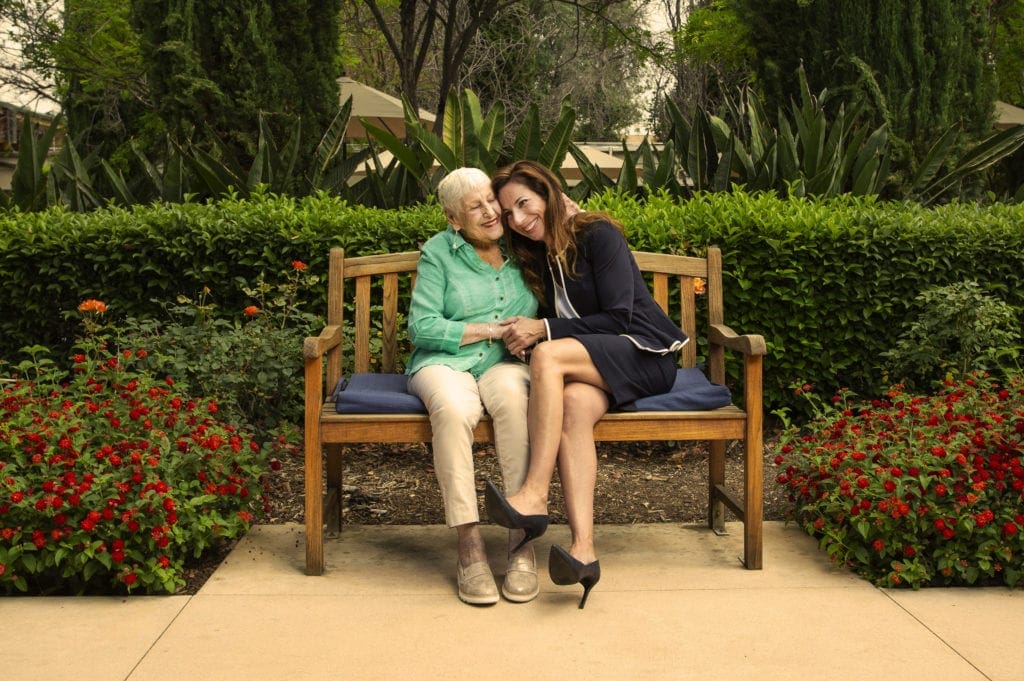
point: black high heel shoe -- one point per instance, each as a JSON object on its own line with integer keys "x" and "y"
{"x": 502, "y": 513}
{"x": 564, "y": 569}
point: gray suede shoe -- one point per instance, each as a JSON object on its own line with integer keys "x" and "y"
{"x": 521, "y": 583}
{"x": 476, "y": 584}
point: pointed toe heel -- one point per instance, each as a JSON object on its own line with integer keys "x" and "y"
{"x": 501, "y": 512}
{"x": 564, "y": 570}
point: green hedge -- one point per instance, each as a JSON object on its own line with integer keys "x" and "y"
{"x": 827, "y": 282}
{"x": 51, "y": 261}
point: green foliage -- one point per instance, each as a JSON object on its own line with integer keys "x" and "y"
{"x": 807, "y": 153}
{"x": 715, "y": 34}
{"x": 1008, "y": 48}
{"x": 828, "y": 282}
{"x": 921, "y": 62}
{"x": 31, "y": 187}
{"x": 50, "y": 260}
{"x": 958, "y": 330}
{"x": 111, "y": 477}
{"x": 915, "y": 490}
{"x": 472, "y": 138}
{"x": 100, "y": 75}
{"x": 220, "y": 73}
{"x": 250, "y": 367}
{"x": 929, "y": 185}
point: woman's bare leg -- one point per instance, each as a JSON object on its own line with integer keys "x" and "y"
{"x": 584, "y": 405}
{"x": 553, "y": 364}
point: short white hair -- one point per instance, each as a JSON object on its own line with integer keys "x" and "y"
{"x": 456, "y": 183}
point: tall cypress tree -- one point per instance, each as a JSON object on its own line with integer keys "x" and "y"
{"x": 216, "y": 66}
{"x": 100, "y": 80}
{"x": 924, "y": 61}
{"x": 306, "y": 43}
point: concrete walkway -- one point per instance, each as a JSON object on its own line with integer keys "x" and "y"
{"x": 673, "y": 603}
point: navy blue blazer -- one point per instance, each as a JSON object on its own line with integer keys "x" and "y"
{"x": 610, "y": 295}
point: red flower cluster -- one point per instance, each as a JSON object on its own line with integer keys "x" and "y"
{"x": 112, "y": 478}
{"x": 916, "y": 490}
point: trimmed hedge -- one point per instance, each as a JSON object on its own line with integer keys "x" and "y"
{"x": 136, "y": 259}
{"x": 828, "y": 282}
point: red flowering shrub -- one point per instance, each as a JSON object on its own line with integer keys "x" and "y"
{"x": 916, "y": 490}
{"x": 110, "y": 479}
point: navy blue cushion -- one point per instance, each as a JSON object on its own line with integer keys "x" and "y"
{"x": 376, "y": 394}
{"x": 692, "y": 391}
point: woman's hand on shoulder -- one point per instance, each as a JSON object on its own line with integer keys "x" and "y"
{"x": 571, "y": 207}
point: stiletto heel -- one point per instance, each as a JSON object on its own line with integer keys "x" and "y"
{"x": 502, "y": 513}
{"x": 564, "y": 569}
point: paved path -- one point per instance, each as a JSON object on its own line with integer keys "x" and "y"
{"x": 673, "y": 603}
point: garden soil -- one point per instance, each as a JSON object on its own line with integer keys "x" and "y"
{"x": 659, "y": 482}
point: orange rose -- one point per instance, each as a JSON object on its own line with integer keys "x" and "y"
{"x": 699, "y": 286}
{"x": 251, "y": 311}
{"x": 298, "y": 265}
{"x": 92, "y": 305}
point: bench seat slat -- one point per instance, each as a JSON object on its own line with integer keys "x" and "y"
{"x": 726, "y": 423}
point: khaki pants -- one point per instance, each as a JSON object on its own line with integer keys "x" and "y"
{"x": 455, "y": 402}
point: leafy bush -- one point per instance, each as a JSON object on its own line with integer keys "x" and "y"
{"x": 915, "y": 490}
{"x": 253, "y": 367}
{"x": 959, "y": 330}
{"x": 111, "y": 479}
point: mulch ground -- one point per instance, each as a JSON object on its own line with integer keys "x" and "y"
{"x": 395, "y": 485}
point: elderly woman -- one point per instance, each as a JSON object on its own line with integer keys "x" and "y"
{"x": 465, "y": 287}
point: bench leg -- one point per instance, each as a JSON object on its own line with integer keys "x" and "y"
{"x": 333, "y": 507}
{"x": 716, "y": 479}
{"x": 314, "y": 505}
{"x": 753, "y": 498}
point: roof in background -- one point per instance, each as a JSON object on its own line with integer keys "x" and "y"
{"x": 378, "y": 108}
{"x": 1008, "y": 115}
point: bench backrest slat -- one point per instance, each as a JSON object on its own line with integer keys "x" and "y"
{"x": 381, "y": 282}
{"x": 363, "y": 323}
{"x": 389, "y": 325}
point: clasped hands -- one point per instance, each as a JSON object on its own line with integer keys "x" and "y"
{"x": 521, "y": 333}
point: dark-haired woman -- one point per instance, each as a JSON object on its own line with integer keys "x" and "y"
{"x": 601, "y": 341}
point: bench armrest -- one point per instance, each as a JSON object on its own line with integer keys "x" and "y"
{"x": 748, "y": 344}
{"x": 314, "y": 347}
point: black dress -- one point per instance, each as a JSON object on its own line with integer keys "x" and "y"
{"x": 607, "y": 307}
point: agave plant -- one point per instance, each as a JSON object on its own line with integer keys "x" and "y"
{"x": 805, "y": 154}
{"x": 471, "y": 137}
{"x": 929, "y": 184}
{"x": 32, "y": 187}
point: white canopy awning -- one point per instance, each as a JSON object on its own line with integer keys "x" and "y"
{"x": 378, "y": 108}
{"x": 1008, "y": 115}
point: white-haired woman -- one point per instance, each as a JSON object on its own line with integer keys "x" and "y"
{"x": 465, "y": 286}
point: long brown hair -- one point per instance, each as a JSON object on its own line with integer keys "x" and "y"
{"x": 532, "y": 255}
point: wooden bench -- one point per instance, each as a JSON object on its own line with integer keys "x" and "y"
{"x": 370, "y": 287}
